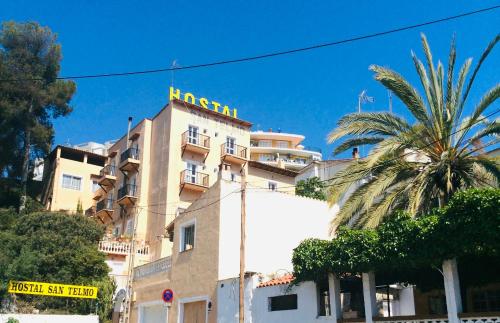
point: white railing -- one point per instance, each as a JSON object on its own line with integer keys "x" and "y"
{"x": 464, "y": 318}
{"x": 479, "y": 317}
{"x": 412, "y": 319}
{"x": 159, "y": 266}
{"x": 121, "y": 248}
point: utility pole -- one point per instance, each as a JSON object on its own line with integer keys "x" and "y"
{"x": 242, "y": 246}
{"x": 130, "y": 270}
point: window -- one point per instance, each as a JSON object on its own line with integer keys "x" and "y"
{"x": 95, "y": 186}
{"x": 266, "y": 157}
{"x": 72, "y": 182}
{"x": 187, "y": 238}
{"x": 230, "y": 145}
{"x": 282, "y": 303}
{"x": 116, "y": 231}
{"x": 323, "y": 297}
{"x": 193, "y": 135}
{"x": 273, "y": 186}
{"x": 486, "y": 301}
{"x": 265, "y": 143}
{"x": 190, "y": 174}
{"x": 283, "y": 144}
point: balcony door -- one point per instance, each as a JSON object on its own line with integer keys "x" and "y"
{"x": 190, "y": 176}
{"x": 193, "y": 135}
{"x": 230, "y": 145}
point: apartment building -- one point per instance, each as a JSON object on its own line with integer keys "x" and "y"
{"x": 70, "y": 177}
{"x": 203, "y": 268}
{"x": 284, "y": 150}
{"x": 162, "y": 165}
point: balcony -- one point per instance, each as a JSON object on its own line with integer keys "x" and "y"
{"x": 104, "y": 209}
{"x": 127, "y": 195}
{"x": 121, "y": 248}
{"x": 233, "y": 154}
{"x": 161, "y": 265}
{"x": 107, "y": 177}
{"x": 193, "y": 181}
{"x": 129, "y": 160}
{"x": 195, "y": 143}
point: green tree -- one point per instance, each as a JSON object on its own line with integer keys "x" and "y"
{"x": 311, "y": 187}
{"x": 58, "y": 248}
{"x": 79, "y": 207}
{"x": 417, "y": 166}
{"x": 30, "y": 96}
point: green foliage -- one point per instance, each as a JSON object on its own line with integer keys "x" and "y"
{"x": 58, "y": 248}
{"x": 406, "y": 249}
{"x": 30, "y": 54}
{"x": 312, "y": 187}
{"x": 12, "y": 320}
{"x": 79, "y": 207}
{"x": 449, "y": 144}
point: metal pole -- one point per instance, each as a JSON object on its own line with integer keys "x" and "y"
{"x": 242, "y": 247}
{"x": 130, "y": 270}
{"x": 128, "y": 131}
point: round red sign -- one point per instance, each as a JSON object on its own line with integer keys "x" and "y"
{"x": 167, "y": 296}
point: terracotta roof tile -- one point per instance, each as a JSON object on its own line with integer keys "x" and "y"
{"x": 286, "y": 279}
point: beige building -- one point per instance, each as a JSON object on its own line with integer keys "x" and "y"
{"x": 205, "y": 250}
{"x": 70, "y": 176}
{"x": 284, "y": 150}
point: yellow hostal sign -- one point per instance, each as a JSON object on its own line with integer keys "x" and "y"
{"x": 50, "y": 289}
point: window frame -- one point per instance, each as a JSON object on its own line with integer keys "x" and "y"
{"x": 182, "y": 237}
{"x": 272, "y": 183}
{"x": 72, "y": 176}
{"x": 270, "y": 303}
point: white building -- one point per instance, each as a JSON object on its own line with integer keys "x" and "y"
{"x": 284, "y": 150}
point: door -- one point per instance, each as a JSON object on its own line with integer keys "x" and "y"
{"x": 190, "y": 176}
{"x": 230, "y": 145}
{"x": 154, "y": 314}
{"x": 193, "y": 137}
{"x": 195, "y": 312}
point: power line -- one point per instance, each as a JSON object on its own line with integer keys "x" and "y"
{"x": 268, "y": 55}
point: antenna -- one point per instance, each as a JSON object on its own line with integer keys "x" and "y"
{"x": 174, "y": 66}
{"x": 389, "y": 94}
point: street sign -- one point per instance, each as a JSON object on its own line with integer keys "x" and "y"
{"x": 50, "y": 289}
{"x": 167, "y": 296}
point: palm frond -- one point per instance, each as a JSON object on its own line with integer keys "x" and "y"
{"x": 403, "y": 90}
{"x": 355, "y": 142}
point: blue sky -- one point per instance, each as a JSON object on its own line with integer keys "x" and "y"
{"x": 302, "y": 93}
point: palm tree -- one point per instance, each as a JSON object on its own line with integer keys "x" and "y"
{"x": 415, "y": 167}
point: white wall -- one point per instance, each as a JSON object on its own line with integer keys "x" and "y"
{"x": 256, "y": 303}
{"x": 276, "y": 223}
{"x": 40, "y": 318}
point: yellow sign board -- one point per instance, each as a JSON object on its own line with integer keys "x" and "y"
{"x": 50, "y": 289}
{"x": 203, "y": 102}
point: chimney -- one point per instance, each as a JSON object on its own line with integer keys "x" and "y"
{"x": 128, "y": 131}
{"x": 225, "y": 171}
{"x": 355, "y": 153}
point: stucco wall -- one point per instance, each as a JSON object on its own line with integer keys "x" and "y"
{"x": 276, "y": 224}
{"x": 256, "y": 303}
{"x": 66, "y": 198}
{"x": 260, "y": 178}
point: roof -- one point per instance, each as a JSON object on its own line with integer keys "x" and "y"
{"x": 76, "y": 151}
{"x": 327, "y": 162}
{"x": 273, "y": 169}
{"x": 211, "y": 112}
{"x": 283, "y": 280}
{"x": 294, "y": 138}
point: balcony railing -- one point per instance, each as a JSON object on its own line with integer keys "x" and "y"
{"x": 127, "y": 190}
{"x": 108, "y": 170}
{"x": 121, "y": 248}
{"x": 195, "y": 139}
{"x": 161, "y": 265}
{"x": 311, "y": 148}
{"x": 106, "y": 204}
{"x": 234, "y": 150}
{"x": 195, "y": 178}
{"x": 132, "y": 153}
